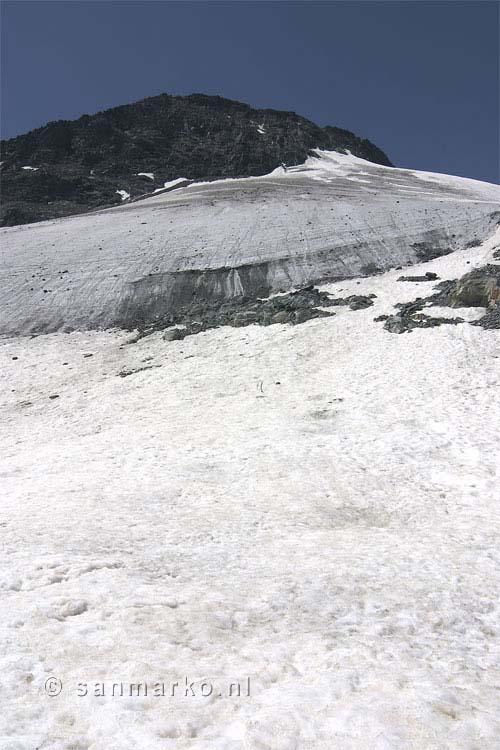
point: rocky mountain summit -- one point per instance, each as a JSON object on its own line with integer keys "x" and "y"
{"x": 69, "y": 167}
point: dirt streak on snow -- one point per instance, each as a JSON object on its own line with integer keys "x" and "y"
{"x": 315, "y": 508}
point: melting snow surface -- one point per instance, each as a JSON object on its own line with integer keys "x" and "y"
{"x": 309, "y": 511}
{"x": 146, "y": 174}
{"x": 31, "y": 169}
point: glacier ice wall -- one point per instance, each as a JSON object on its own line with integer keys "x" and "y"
{"x": 334, "y": 217}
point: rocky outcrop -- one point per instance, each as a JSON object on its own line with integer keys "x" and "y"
{"x": 406, "y": 320}
{"x": 293, "y": 308}
{"x": 479, "y": 288}
{"x": 69, "y": 167}
{"x": 196, "y": 315}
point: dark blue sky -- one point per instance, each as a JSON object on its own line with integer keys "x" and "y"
{"x": 420, "y": 79}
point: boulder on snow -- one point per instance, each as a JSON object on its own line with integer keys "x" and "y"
{"x": 429, "y": 276}
{"x": 174, "y": 334}
{"x": 354, "y": 301}
{"x": 359, "y": 302}
{"x": 402, "y": 323}
{"x": 479, "y": 288}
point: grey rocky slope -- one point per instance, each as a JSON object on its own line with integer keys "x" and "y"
{"x": 69, "y": 167}
{"x": 334, "y": 217}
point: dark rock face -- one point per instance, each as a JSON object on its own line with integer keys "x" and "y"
{"x": 79, "y": 165}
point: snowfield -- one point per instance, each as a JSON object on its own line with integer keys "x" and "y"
{"x": 309, "y": 511}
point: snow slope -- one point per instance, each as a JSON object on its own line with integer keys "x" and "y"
{"x": 336, "y": 216}
{"x": 313, "y": 508}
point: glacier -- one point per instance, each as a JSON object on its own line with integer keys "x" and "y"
{"x": 336, "y": 216}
